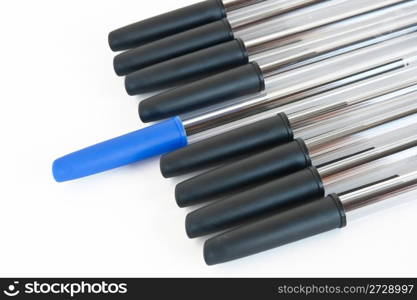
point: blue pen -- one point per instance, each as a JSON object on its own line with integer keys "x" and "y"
{"x": 139, "y": 145}
{"x": 177, "y": 132}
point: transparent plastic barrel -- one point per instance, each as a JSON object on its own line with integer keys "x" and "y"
{"x": 315, "y": 16}
{"x": 368, "y": 24}
{"x": 374, "y": 193}
{"x": 263, "y": 11}
{"x": 368, "y": 139}
{"x": 361, "y": 119}
{"x": 355, "y": 113}
{"x": 295, "y": 85}
{"x": 315, "y": 50}
{"x": 399, "y": 164}
{"x": 313, "y": 110}
{"x": 390, "y": 166}
{"x": 232, "y": 5}
{"x": 359, "y": 36}
{"x": 362, "y": 133}
{"x": 389, "y": 30}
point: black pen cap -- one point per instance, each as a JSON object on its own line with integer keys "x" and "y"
{"x": 259, "y": 136}
{"x": 259, "y": 202}
{"x": 187, "y": 68}
{"x": 238, "y": 82}
{"x": 173, "y": 46}
{"x": 243, "y": 174}
{"x": 167, "y": 24}
{"x": 292, "y": 225}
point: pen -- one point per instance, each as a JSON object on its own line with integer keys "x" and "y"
{"x": 257, "y": 39}
{"x": 173, "y": 22}
{"x": 281, "y": 193}
{"x": 257, "y": 77}
{"x": 178, "y": 132}
{"x": 301, "y": 222}
{"x": 286, "y": 124}
{"x": 289, "y": 157}
{"x": 202, "y": 37}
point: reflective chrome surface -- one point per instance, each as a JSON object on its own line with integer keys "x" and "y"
{"x": 364, "y": 141}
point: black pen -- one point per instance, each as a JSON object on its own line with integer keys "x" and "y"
{"x": 283, "y": 193}
{"x": 287, "y": 124}
{"x": 173, "y": 22}
{"x": 235, "y": 25}
{"x": 312, "y": 218}
{"x": 266, "y": 40}
{"x": 288, "y": 158}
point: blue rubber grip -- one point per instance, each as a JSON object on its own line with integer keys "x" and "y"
{"x": 139, "y": 145}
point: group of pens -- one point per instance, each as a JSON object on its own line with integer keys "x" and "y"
{"x": 293, "y": 113}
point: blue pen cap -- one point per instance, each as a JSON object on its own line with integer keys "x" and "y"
{"x": 152, "y": 141}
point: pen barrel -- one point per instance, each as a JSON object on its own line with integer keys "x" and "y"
{"x": 232, "y": 5}
{"x": 215, "y": 89}
{"x": 187, "y": 68}
{"x": 304, "y": 221}
{"x": 174, "y": 46}
{"x": 243, "y": 174}
{"x": 270, "y": 198}
{"x": 167, "y": 24}
{"x": 258, "y": 136}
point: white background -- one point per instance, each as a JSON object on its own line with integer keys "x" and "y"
{"x": 59, "y": 93}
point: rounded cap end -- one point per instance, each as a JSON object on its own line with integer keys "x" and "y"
{"x": 166, "y": 172}
{"x": 113, "y": 41}
{"x": 145, "y": 113}
{"x": 61, "y": 171}
{"x": 211, "y": 255}
{"x": 118, "y": 65}
{"x": 180, "y": 201}
{"x": 190, "y": 226}
{"x": 131, "y": 86}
